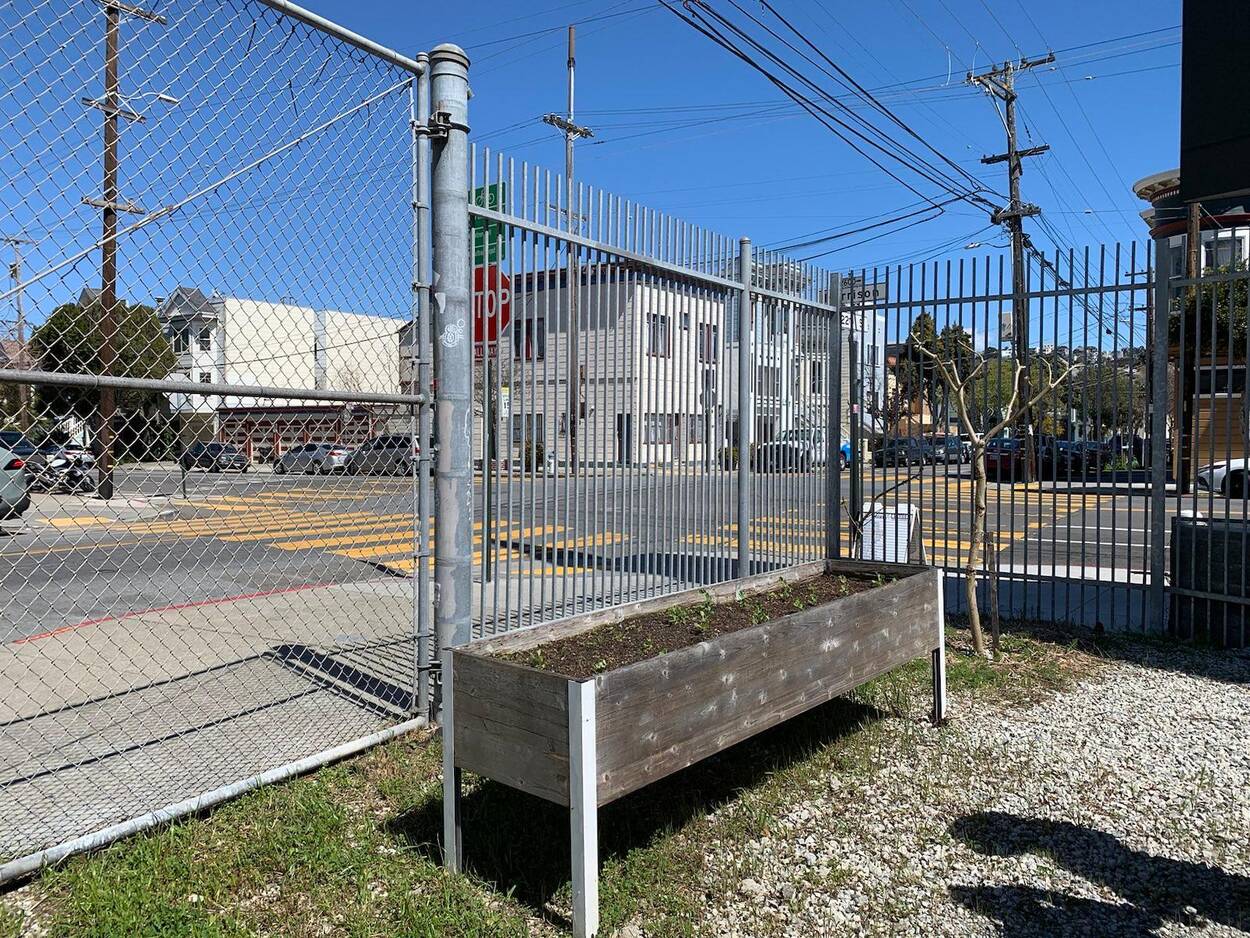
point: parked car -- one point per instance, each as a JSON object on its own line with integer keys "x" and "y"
{"x": 313, "y": 457}
{"x": 214, "y": 457}
{"x": 952, "y": 450}
{"x": 14, "y": 484}
{"x": 796, "y": 451}
{"x": 16, "y": 443}
{"x": 1225, "y": 478}
{"x": 1006, "y": 459}
{"x": 1060, "y": 459}
{"x": 391, "y": 454}
{"x": 903, "y": 451}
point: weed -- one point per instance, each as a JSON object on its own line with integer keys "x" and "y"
{"x": 601, "y": 665}
{"x": 759, "y": 614}
{"x": 678, "y": 616}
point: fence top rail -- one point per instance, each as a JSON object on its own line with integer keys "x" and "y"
{"x": 329, "y": 27}
{"x": 507, "y": 196}
{"x": 202, "y": 388}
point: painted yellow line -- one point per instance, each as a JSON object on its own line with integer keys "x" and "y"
{"x": 84, "y": 521}
{"x": 592, "y": 540}
{"x": 379, "y": 548}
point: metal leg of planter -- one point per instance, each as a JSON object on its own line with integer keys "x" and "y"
{"x": 939, "y": 656}
{"x": 583, "y": 809}
{"x": 453, "y": 841}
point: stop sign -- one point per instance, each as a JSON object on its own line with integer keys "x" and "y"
{"x": 492, "y": 306}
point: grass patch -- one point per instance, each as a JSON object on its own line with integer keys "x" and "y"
{"x": 354, "y": 849}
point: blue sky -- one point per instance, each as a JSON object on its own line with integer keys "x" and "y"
{"x": 656, "y": 93}
{"x": 681, "y": 126}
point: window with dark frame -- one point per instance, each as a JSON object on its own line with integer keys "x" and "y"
{"x": 659, "y": 338}
{"x": 529, "y": 338}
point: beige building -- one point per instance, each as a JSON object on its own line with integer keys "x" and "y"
{"x": 229, "y": 340}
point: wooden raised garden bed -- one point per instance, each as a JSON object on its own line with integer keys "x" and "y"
{"x": 550, "y": 711}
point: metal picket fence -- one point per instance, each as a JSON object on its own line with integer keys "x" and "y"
{"x": 246, "y": 247}
{"x": 656, "y": 403}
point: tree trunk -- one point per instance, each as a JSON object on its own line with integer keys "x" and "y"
{"x": 972, "y": 567}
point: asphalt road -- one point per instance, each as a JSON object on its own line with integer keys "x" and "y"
{"x": 75, "y": 559}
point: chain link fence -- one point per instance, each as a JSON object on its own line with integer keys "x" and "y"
{"x": 208, "y": 419}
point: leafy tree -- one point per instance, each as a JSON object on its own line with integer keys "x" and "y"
{"x": 1108, "y": 398}
{"x": 70, "y": 339}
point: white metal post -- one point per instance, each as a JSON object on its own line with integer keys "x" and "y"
{"x": 939, "y": 656}
{"x": 583, "y": 809}
{"x": 453, "y": 841}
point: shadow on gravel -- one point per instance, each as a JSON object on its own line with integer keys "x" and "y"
{"x": 1155, "y": 890}
{"x": 521, "y": 843}
{"x": 1229, "y": 666}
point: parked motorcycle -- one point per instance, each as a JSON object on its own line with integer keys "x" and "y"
{"x": 63, "y": 473}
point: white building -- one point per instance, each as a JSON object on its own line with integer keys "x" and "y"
{"x": 229, "y": 340}
{"x": 656, "y": 370}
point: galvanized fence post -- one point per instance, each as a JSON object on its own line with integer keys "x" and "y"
{"x": 422, "y": 365}
{"x": 453, "y": 366}
{"x": 833, "y": 426}
{"x": 746, "y": 418}
{"x": 1160, "y": 308}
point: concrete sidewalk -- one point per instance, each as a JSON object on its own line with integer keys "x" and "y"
{"x": 109, "y": 718}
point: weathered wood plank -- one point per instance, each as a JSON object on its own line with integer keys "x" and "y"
{"x": 511, "y": 724}
{"x": 658, "y": 716}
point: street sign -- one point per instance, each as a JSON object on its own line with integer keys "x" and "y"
{"x": 492, "y": 307}
{"x": 488, "y": 236}
{"x": 859, "y": 295}
{"x": 1006, "y": 326}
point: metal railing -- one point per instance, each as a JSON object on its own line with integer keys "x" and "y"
{"x": 630, "y": 442}
{"x": 222, "y": 451}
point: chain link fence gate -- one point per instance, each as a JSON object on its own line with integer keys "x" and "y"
{"x": 218, "y": 219}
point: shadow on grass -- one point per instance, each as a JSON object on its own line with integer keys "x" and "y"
{"x": 1155, "y": 890}
{"x": 521, "y": 843}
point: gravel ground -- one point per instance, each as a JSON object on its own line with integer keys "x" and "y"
{"x": 1119, "y": 807}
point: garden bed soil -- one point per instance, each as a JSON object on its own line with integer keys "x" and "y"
{"x": 616, "y": 644}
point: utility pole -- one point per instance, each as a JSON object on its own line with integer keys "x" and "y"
{"x": 23, "y": 360}
{"x": 113, "y": 106}
{"x": 571, "y": 132}
{"x": 1000, "y": 83}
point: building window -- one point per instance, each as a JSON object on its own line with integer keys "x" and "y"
{"x": 817, "y": 381}
{"x": 206, "y": 377}
{"x": 659, "y": 339}
{"x": 709, "y": 342}
{"x": 178, "y": 341}
{"x": 685, "y": 321}
{"x": 696, "y": 428}
{"x": 658, "y": 428}
{"x": 1224, "y": 251}
{"x": 768, "y": 381}
{"x": 529, "y": 338}
{"x": 206, "y": 339}
{"x": 527, "y": 426}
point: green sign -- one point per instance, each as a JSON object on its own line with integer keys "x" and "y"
{"x": 488, "y": 235}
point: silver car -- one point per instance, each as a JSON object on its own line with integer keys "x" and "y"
{"x": 392, "y": 454}
{"x": 14, "y": 484}
{"x": 313, "y": 457}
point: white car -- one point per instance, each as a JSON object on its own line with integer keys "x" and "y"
{"x": 14, "y": 484}
{"x": 1225, "y": 478}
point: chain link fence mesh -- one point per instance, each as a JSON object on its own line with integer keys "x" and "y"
{"x": 246, "y": 596}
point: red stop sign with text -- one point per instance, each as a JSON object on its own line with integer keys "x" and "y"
{"x": 492, "y": 307}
